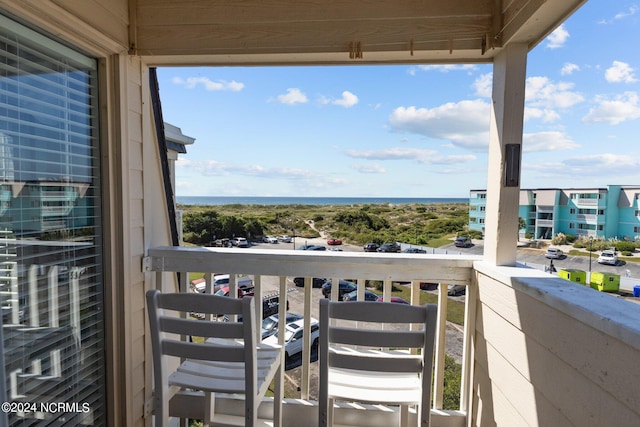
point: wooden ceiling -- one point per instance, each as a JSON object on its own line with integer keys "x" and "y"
{"x": 191, "y": 32}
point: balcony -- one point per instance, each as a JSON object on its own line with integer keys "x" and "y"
{"x": 536, "y": 350}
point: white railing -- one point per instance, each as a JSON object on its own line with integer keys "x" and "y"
{"x": 274, "y": 269}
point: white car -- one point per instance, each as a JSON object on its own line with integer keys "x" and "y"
{"x": 269, "y": 239}
{"x": 608, "y": 257}
{"x": 553, "y": 253}
{"x": 293, "y": 337}
{"x": 284, "y": 239}
{"x": 240, "y": 242}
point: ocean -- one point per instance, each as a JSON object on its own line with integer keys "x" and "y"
{"x": 324, "y": 201}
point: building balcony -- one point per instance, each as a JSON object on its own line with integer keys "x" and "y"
{"x": 535, "y": 350}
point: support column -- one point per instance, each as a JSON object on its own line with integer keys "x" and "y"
{"x": 505, "y": 153}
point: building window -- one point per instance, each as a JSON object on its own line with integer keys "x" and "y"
{"x": 572, "y": 225}
{"x": 482, "y": 208}
{"x": 636, "y": 229}
{"x": 572, "y": 211}
{"x": 482, "y": 195}
{"x": 600, "y": 227}
{"x": 600, "y": 211}
{"x": 481, "y": 220}
{"x": 50, "y": 228}
{"x": 637, "y": 212}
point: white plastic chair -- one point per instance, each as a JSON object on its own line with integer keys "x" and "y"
{"x": 367, "y": 365}
{"x": 229, "y": 361}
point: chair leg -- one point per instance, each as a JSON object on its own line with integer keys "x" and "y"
{"x": 330, "y": 413}
{"x": 404, "y": 415}
{"x": 277, "y": 397}
{"x": 209, "y": 408}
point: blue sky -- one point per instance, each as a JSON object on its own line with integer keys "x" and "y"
{"x": 413, "y": 131}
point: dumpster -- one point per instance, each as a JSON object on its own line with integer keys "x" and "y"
{"x": 573, "y": 275}
{"x": 605, "y": 282}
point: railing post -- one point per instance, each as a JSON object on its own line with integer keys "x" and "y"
{"x": 468, "y": 348}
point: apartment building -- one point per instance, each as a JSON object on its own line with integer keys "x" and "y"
{"x": 610, "y": 212}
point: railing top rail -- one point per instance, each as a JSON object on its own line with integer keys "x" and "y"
{"x": 452, "y": 269}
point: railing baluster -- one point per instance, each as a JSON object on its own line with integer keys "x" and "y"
{"x": 259, "y": 305}
{"x": 438, "y": 391}
{"x": 306, "y": 338}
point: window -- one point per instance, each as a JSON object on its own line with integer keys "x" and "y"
{"x": 482, "y": 208}
{"x": 572, "y": 211}
{"x": 482, "y": 195}
{"x": 637, "y": 212}
{"x": 572, "y": 225}
{"x": 636, "y": 229}
{"x": 481, "y": 220}
{"x": 50, "y": 228}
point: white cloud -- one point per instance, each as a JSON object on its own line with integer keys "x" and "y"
{"x": 547, "y": 141}
{"x": 569, "y": 68}
{"x": 348, "y": 100}
{"x": 292, "y": 97}
{"x": 369, "y": 168}
{"x": 445, "y": 68}
{"x": 452, "y": 160}
{"x": 464, "y": 124}
{"x": 588, "y": 166}
{"x": 614, "y": 111}
{"x": 542, "y": 92}
{"x": 621, "y": 15}
{"x": 620, "y": 72}
{"x": 208, "y": 84}
{"x": 544, "y": 114}
{"x": 558, "y": 38}
{"x": 396, "y": 153}
{"x": 483, "y": 85}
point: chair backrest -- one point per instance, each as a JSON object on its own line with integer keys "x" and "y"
{"x": 170, "y": 321}
{"x": 378, "y": 312}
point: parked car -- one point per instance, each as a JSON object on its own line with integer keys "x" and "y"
{"x": 240, "y": 242}
{"x": 222, "y": 280}
{"x": 316, "y": 248}
{"x": 456, "y": 290}
{"x": 353, "y": 296}
{"x": 428, "y": 286}
{"x": 284, "y": 239}
{"x": 553, "y": 253}
{"x": 414, "y": 251}
{"x": 608, "y": 256}
{"x": 224, "y": 292}
{"x": 293, "y": 337}
{"x": 371, "y": 247}
{"x": 389, "y": 247}
{"x": 270, "y": 324}
{"x": 343, "y": 288}
{"x": 334, "y": 242}
{"x": 269, "y": 239}
{"x": 462, "y": 242}
{"x": 316, "y": 282}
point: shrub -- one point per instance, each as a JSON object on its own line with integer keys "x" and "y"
{"x": 625, "y": 246}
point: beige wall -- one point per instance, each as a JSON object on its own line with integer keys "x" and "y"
{"x": 544, "y": 357}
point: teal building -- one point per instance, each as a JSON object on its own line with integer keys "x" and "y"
{"x": 610, "y": 213}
